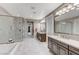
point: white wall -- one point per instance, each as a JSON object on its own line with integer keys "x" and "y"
{"x": 5, "y": 28}
{"x": 36, "y": 26}
{"x": 42, "y": 27}
{"x": 18, "y": 29}
{"x": 50, "y": 24}
{"x": 25, "y": 28}
{"x": 76, "y": 26}
{"x": 3, "y": 11}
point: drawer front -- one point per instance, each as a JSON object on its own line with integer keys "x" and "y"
{"x": 73, "y": 49}
{"x": 63, "y": 45}
{"x": 72, "y": 53}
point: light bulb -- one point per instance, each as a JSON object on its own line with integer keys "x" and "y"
{"x": 69, "y": 6}
{"x": 64, "y": 9}
{"x": 75, "y": 4}
{"x": 72, "y": 8}
{"x": 67, "y": 10}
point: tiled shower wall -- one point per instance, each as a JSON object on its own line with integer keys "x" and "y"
{"x": 19, "y": 29}
{"x": 12, "y": 28}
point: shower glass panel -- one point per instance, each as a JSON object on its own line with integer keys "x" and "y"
{"x": 9, "y": 29}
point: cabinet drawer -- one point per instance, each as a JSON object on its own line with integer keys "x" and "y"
{"x": 74, "y": 50}
{"x": 72, "y": 53}
{"x": 63, "y": 45}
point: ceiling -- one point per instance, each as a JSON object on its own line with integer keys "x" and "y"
{"x": 30, "y": 10}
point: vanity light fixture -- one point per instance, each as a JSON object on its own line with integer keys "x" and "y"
{"x": 75, "y": 4}
{"x": 73, "y": 8}
{"x": 57, "y": 13}
{"x": 42, "y": 21}
{"x": 77, "y": 8}
{"x": 60, "y": 13}
{"x": 67, "y": 8}
{"x": 64, "y": 9}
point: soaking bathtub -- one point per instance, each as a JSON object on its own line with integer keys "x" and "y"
{"x": 7, "y": 49}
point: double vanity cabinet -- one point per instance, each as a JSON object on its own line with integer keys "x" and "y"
{"x": 58, "y": 47}
{"x": 41, "y": 36}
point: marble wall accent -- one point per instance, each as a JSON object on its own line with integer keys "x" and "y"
{"x": 17, "y": 24}
{"x": 20, "y": 29}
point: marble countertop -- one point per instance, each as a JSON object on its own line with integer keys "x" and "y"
{"x": 70, "y": 42}
{"x": 42, "y": 32}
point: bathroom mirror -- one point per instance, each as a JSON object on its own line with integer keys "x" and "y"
{"x": 67, "y": 26}
{"x": 67, "y": 19}
{"x": 43, "y": 26}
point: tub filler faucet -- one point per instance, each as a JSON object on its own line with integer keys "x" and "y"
{"x": 10, "y": 41}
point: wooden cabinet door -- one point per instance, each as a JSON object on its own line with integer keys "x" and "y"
{"x": 52, "y": 46}
{"x": 55, "y": 48}
{"x": 63, "y": 51}
{"x": 49, "y": 43}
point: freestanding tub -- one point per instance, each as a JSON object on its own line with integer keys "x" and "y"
{"x": 6, "y": 49}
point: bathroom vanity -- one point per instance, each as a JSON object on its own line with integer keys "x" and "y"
{"x": 62, "y": 46}
{"x": 41, "y": 36}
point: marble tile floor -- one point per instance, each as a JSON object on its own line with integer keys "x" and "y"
{"x": 31, "y": 46}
